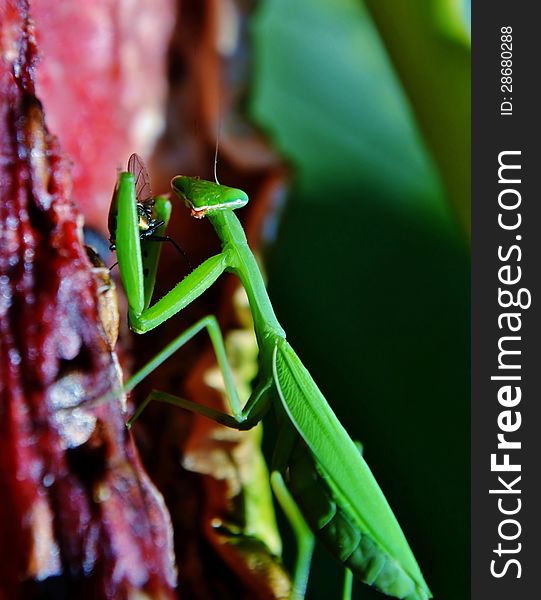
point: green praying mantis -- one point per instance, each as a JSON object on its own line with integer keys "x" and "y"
{"x": 318, "y": 474}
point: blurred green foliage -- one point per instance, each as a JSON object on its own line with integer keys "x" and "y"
{"x": 370, "y": 272}
{"x": 430, "y": 49}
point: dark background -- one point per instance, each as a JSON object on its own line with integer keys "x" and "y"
{"x": 370, "y": 271}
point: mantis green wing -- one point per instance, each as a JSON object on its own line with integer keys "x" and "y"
{"x": 350, "y": 480}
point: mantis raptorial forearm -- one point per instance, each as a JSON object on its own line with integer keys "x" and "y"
{"x": 316, "y": 462}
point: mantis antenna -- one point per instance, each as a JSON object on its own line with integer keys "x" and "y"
{"x": 216, "y": 151}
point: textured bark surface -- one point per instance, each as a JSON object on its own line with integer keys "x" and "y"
{"x": 78, "y": 516}
{"x": 85, "y": 520}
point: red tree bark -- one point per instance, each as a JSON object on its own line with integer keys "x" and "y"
{"x": 78, "y": 515}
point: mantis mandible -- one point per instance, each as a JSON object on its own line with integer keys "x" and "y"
{"x": 319, "y": 475}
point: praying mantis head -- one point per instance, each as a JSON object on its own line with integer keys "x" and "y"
{"x": 205, "y": 197}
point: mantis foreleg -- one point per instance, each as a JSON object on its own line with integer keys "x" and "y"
{"x": 137, "y": 262}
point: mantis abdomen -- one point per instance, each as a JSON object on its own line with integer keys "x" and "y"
{"x": 337, "y": 529}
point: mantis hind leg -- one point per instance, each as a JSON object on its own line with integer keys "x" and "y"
{"x": 348, "y": 585}
{"x": 303, "y": 535}
{"x": 305, "y": 541}
{"x": 239, "y": 417}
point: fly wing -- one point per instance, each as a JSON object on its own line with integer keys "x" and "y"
{"x": 354, "y": 487}
{"x": 143, "y": 191}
